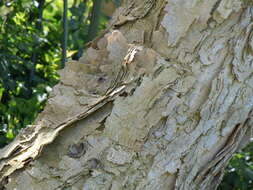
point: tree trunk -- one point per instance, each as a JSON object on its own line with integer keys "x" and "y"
{"x": 161, "y": 101}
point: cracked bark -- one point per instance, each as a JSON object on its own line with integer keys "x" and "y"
{"x": 162, "y": 102}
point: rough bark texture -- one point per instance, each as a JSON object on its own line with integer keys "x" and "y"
{"x": 161, "y": 101}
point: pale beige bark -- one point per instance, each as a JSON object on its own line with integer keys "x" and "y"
{"x": 162, "y": 101}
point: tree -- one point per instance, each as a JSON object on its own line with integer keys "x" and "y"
{"x": 161, "y": 101}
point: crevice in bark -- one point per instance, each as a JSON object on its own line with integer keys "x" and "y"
{"x": 216, "y": 5}
{"x": 223, "y": 155}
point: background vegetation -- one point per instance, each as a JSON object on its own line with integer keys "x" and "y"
{"x": 30, "y": 55}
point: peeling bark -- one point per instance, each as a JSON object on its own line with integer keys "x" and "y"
{"x": 162, "y": 101}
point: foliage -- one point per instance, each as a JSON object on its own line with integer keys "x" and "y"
{"x": 28, "y": 64}
{"x": 239, "y": 173}
{"x": 30, "y": 54}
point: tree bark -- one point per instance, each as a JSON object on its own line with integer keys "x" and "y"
{"x": 161, "y": 101}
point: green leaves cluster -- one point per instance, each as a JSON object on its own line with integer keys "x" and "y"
{"x": 30, "y": 54}
{"x": 28, "y": 63}
{"x": 239, "y": 173}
